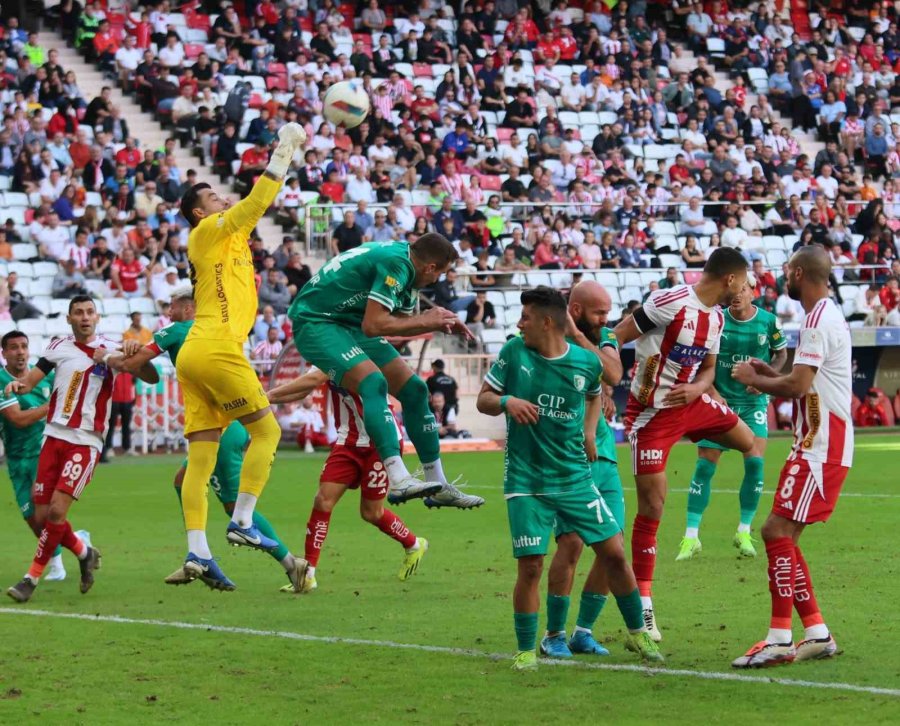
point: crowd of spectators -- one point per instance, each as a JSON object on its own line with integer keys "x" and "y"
{"x": 544, "y": 136}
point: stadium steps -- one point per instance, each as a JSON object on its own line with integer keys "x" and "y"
{"x": 151, "y": 135}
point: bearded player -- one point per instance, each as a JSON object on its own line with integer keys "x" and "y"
{"x": 749, "y": 332}
{"x": 589, "y": 307}
{"x": 820, "y": 383}
{"x": 677, "y": 332}
{"x": 22, "y": 429}
{"x": 226, "y": 477}
{"x": 218, "y": 382}
{"x": 352, "y": 464}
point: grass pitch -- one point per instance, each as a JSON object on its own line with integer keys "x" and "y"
{"x": 135, "y": 649}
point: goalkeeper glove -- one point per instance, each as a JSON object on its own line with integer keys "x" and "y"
{"x": 290, "y": 137}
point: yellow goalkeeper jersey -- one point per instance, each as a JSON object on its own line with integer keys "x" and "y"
{"x": 222, "y": 267}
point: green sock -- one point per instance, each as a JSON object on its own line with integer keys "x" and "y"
{"x": 280, "y": 552}
{"x": 589, "y": 609}
{"x": 377, "y": 415}
{"x": 700, "y": 489}
{"x": 557, "y": 613}
{"x": 178, "y": 494}
{"x": 751, "y": 488}
{"x": 526, "y": 625}
{"x": 632, "y": 612}
{"x": 419, "y": 420}
{"x": 58, "y": 551}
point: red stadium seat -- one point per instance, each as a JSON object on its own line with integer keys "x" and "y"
{"x": 277, "y": 83}
{"x": 489, "y": 182}
{"x": 192, "y": 50}
{"x": 422, "y": 70}
{"x": 279, "y": 69}
{"x": 504, "y": 134}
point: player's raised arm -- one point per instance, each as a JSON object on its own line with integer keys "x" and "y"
{"x": 795, "y": 384}
{"x": 299, "y": 388}
{"x": 380, "y": 322}
{"x": 137, "y": 364}
{"x": 26, "y": 383}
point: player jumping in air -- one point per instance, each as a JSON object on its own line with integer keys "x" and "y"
{"x": 589, "y": 307}
{"x": 541, "y": 382}
{"x": 22, "y": 429}
{"x": 814, "y": 472}
{"x": 226, "y": 476}
{"x": 749, "y": 332}
{"x": 352, "y": 464}
{"x": 77, "y": 419}
{"x": 677, "y": 332}
{"x": 218, "y": 382}
{"x": 340, "y": 319}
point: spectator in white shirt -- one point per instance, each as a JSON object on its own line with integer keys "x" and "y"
{"x": 164, "y": 284}
{"x": 789, "y": 311}
{"x": 128, "y": 57}
{"x": 692, "y": 219}
{"x": 406, "y": 218}
{"x": 268, "y": 349}
{"x": 734, "y": 236}
{"x": 308, "y": 424}
{"x": 52, "y": 239}
{"x": 795, "y": 184}
{"x": 379, "y": 151}
{"x": 52, "y": 186}
{"x": 827, "y": 183}
{"x": 515, "y": 154}
{"x": 172, "y": 55}
{"x": 359, "y": 188}
{"x": 78, "y": 251}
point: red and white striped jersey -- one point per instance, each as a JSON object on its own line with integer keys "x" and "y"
{"x": 823, "y": 424}
{"x": 684, "y": 331}
{"x": 82, "y": 390}
{"x": 348, "y": 419}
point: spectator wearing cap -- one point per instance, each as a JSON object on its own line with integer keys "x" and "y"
{"x": 164, "y": 284}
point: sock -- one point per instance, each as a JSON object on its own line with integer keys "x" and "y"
{"x": 280, "y": 552}
{"x": 698, "y": 493}
{"x": 589, "y": 610}
{"x": 434, "y": 471}
{"x": 751, "y": 490}
{"x": 394, "y": 527}
{"x": 643, "y": 551}
{"x": 49, "y": 540}
{"x": 782, "y": 572}
{"x": 379, "y": 420}
{"x": 72, "y": 542}
{"x": 691, "y": 532}
{"x": 805, "y": 599}
{"x": 419, "y": 420}
{"x": 646, "y": 602}
{"x": 632, "y": 610}
{"x": 197, "y": 543}
{"x": 265, "y": 435}
{"x": 557, "y": 613}
{"x": 200, "y": 466}
{"x": 243, "y": 512}
{"x": 526, "y": 625}
{"x": 396, "y": 469}
{"x": 287, "y": 562}
{"x": 316, "y": 532}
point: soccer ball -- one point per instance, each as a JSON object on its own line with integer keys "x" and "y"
{"x": 346, "y": 103}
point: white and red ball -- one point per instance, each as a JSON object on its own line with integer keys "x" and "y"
{"x": 347, "y": 103}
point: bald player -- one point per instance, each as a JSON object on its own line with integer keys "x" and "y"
{"x": 814, "y": 472}
{"x": 589, "y": 306}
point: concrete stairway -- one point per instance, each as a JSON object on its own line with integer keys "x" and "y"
{"x": 148, "y": 131}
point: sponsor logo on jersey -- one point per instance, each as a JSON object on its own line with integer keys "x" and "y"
{"x": 71, "y": 394}
{"x": 649, "y": 376}
{"x": 390, "y": 281}
{"x": 761, "y": 338}
{"x": 527, "y": 371}
{"x": 236, "y": 403}
{"x": 550, "y": 406}
{"x": 526, "y": 541}
{"x": 814, "y": 417}
{"x": 349, "y": 355}
{"x": 688, "y": 355}
{"x": 580, "y": 383}
{"x": 651, "y": 455}
{"x": 221, "y": 297}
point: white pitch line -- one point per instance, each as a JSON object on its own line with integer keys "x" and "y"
{"x": 290, "y": 635}
{"x": 854, "y": 495}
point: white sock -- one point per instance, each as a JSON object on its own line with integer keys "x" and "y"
{"x": 242, "y": 515}
{"x": 646, "y": 603}
{"x": 84, "y": 552}
{"x": 692, "y": 532}
{"x": 288, "y": 562}
{"x": 197, "y": 543}
{"x": 310, "y": 571}
{"x": 56, "y": 560}
{"x": 744, "y": 528}
{"x": 396, "y": 469}
{"x": 434, "y": 472}
{"x": 816, "y": 632}
{"x": 414, "y": 547}
{"x": 30, "y": 579}
{"x": 779, "y": 636}
{"x": 579, "y": 629}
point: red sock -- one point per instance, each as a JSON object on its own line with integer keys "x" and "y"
{"x": 804, "y": 596}
{"x": 72, "y": 542}
{"x": 47, "y": 543}
{"x": 394, "y": 527}
{"x": 782, "y": 571}
{"x": 316, "y": 532}
{"x": 643, "y": 552}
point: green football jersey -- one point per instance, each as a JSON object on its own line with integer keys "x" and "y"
{"x": 171, "y": 338}
{"x": 340, "y": 291}
{"x": 547, "y": 457}
{"x": 606, "y": 440}
{"x": 742, "y": 340}
{"x": 26, "y": 442}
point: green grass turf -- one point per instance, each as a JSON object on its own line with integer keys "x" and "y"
{"x": 710, "y": 611}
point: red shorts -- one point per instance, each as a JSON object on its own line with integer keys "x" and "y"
{"x": 357, "y": 469}
{"x": 65, "y": 467}
{"x": 653, "y": 432}
{"x": 808, "y": 490}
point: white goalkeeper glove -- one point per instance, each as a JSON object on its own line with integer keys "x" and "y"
{"x": 290, "y": 138}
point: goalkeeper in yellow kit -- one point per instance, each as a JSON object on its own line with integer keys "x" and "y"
{"x": 218, "y": 383}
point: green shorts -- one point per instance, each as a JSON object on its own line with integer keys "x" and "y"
{"x": 226, "y": 477}
{"x": 755, "y": 415}
{"x": 606, "y": 478}
{"x": 335, "y": 349}
{"x": 23, "y": 472}
{"x": 582, "y": 511}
